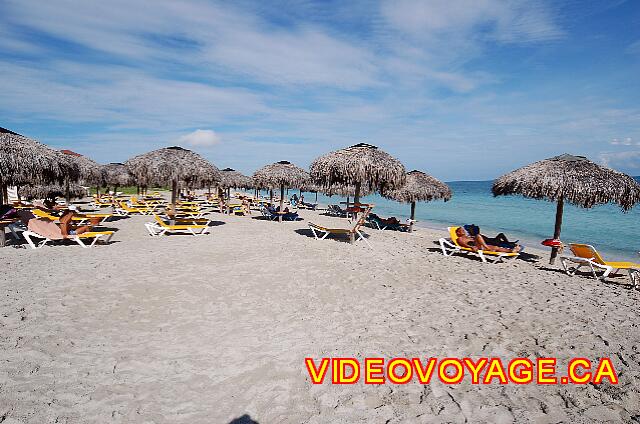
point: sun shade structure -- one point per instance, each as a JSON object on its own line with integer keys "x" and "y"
{"x": 420, "y": 187}
{"x": 345, "y": 191}
{"x": 573, "y": 179}
{"x": 117, "y": 175}
{"x": 171, "y": 165}
{"x": 49, "y": 191}
{"x": 281, "y": 174}
{"x": 358, "y": 166}
{"x": 230, "y": 178}
{"x": 91, "y": 173}
{"x": 26, "y": 161}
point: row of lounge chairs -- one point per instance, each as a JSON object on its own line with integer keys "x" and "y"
{"x": 189, "y": 219}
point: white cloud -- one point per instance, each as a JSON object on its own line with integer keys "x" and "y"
{"x": 135, "y": 76}
{"x": 518, "y": 21}
{"x": 200, "y": 138}
{"x": 628, "y": 161}
{"x": 628, "y": 141}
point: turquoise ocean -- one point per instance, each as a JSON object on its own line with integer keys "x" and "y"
{"x": 610, "y": 230}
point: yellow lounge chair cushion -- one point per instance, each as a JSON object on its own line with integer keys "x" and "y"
{"x": 331, "y": 230}
{"x": 178, "y": 226}
{"x": 91, "y": 234}
{"x": 587, "y": 251}
{"x": 622, "y": 265}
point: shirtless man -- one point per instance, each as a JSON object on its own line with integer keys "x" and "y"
{"x": 477, "y": 243}
{"x": 50, "y": 229}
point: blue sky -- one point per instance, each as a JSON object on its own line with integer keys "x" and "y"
{"x": 461, "y": 89}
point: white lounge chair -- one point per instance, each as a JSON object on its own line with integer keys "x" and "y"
{"x": 587, "y": 255}
{"x": 160, "y": 228}
{"x": 81, "y": 239}
{"x": 451, "y": 246}
{"x": 320, "y": 232}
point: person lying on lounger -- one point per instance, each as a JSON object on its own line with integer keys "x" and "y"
{"x": 477, "y": 242}
{"x": 499, "y": 240}
{"x": 392, "y": 220}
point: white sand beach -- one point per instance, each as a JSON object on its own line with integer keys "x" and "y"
{"x": 213, "y": 329}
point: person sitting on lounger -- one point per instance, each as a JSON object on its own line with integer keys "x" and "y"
{"x": 477, "y": 242}
{"x": 287, "y": 215}
{"x": 68, "y": 229}
{"x": 52, "y": 230}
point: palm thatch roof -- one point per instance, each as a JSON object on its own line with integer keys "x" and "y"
{"x": 572, "y": 178}
{"x": 361, "y": 164}
{"x": 31, "y": 192}
{"x": 116, "y": 174}
{"x": 24, "y": 161}
{"x": 90, "y": 172}
{"x": 420, "y": 187}
{"x": 163, "y": 166}
{"x": 279, "y": 174}
{"x": 230, "y": 178}
{"x": 345, "y": 191}
{"x": 310, "y": 187}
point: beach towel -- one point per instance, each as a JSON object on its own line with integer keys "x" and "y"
{"x": 45, "y": 228}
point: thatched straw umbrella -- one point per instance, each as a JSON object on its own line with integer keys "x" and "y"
{"x": 359, "y": 166}
{"x": 116, "y": 175}
{"x": 91, "y": 172}
{"x": 574, "y": 179}
{"x": 310, "y": 188}
{"x": 49, "y": 191}
{"x": 420, "y": 187}
{"x": 280, "y": 174}
{"x": 170, "y": 165}
{"x": 26, "y": 161}
{"x": 230, "y": 178}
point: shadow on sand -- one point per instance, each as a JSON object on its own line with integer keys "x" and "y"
{"x": 622, "y": 280}
{"x": 245, "y": 419}
{"x": 338, "y": 238}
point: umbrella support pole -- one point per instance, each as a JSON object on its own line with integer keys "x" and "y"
{"x": 174, "y": 195}
{"x": 281, "y": 202}
{"x": 67, "y": 196}
{"x": 356, "y": 196}
{"x": 556, "y": 231}
{"x": 413, "y": 216}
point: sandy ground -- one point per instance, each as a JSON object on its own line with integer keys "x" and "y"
{"x": 213, "y": 329}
